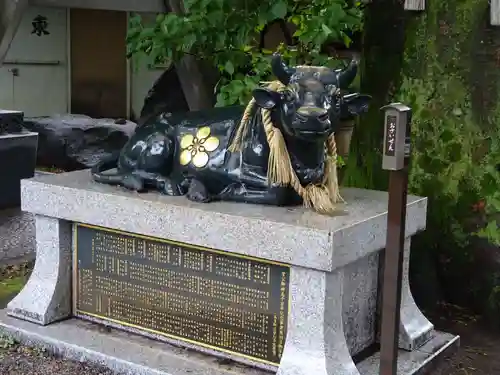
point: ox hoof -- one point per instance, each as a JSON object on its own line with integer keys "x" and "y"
{"x": 133, "y": 182}
{"x": 198, "y": 192}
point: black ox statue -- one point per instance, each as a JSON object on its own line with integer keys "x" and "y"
{"x": 279, "y": 150}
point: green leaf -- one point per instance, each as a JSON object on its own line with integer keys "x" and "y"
{"x": 490, "y": 232}
{"x": 222, "y": 33}
{"x": 326, "y": 29}
{"x": 188, "y": 41}
{"x": 229, "y": 67}
{"x": 237, "y": 86}
{"x": 147, "y": 32}
{"x": 347, "y": 40}
{"x": 447, "y": 135}
{"x": 295, "y": 20}
{"x": 214, "y": 18}
{"x": 160, "y": 17}
{"x": 221, "y": 99}
{"x": 279, "y": 9}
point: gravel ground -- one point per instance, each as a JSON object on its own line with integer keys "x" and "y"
{"x": 479, "y": 354}
{"x": 18, "y": 360}
{"x": 17, "y": 235}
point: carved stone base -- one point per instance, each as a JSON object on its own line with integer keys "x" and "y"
{"x": 131, "y": 354}
{"x": 316, "y": 341}
{"x": 415, "y": 329}
{"x": 46, "y": 297}
{"x": 334, "y": 260}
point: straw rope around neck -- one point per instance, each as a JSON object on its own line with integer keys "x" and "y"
{"x": 321, "y": 197}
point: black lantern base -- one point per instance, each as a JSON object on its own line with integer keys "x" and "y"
{"x": 18, "y": 150}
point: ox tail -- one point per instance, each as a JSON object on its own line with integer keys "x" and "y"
{"x": 106, "y": 164}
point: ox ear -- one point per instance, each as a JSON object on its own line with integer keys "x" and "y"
{"x": 355, "y": 104}
{"x": 266, "y": 98}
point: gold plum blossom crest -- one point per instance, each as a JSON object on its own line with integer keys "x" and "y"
{"x": 195, "y": 148}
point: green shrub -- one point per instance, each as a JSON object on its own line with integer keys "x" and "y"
{"x": 226, "y": 34}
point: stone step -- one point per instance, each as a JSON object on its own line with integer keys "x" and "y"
{"x": 127, "y": 353}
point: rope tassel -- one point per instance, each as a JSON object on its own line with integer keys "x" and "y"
{"x": 322, "y": 197}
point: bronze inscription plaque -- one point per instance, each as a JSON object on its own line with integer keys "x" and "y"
{"x": 200, "y": 296}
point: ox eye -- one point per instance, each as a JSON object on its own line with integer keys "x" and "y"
{"x": 289, "y": 95}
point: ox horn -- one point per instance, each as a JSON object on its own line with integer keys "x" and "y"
{"x": 280, "y": 70}
{"x": 346, "y": 76}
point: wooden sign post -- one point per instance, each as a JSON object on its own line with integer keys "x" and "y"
{"x": 396, "y": 155}
{"x": 409, "y": 4}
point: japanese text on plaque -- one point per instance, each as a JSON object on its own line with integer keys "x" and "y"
{"x": 206, "y": 297}
{"x": 390, "y": 136}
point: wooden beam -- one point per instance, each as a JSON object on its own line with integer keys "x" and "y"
{"x": 146, "y": 6}
{"x": 415, "y": 4}
{"x": 495, "y": 12}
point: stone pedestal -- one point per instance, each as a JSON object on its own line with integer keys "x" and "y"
{"x": 46, "y": 297}
{"x": 334, "y": 262}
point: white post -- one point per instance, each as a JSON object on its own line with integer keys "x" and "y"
{"x": 415, "y": 4}
{"x": 495, "y": 12}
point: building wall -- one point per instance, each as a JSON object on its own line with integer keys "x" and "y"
{"x": 41, "y": 87}
{"x": 143, "y": 74}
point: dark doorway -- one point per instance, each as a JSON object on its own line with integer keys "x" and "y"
{"x": 98, "y": 63}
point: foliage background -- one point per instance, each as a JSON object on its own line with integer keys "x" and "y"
{"x": 227, "y": 34}
{"x": 443, "y": 62}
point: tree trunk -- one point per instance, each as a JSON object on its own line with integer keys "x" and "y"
{"x": 383, "y": 45}
{"x": 197, "y": 89}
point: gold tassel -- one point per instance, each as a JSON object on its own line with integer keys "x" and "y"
{"x": 242, "y": 127}
{"x": 279, "y": 165}
{"x": 331, "y": 177}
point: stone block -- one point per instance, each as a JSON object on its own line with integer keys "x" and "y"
{"x": 295, "y": 236}
{"x": 130, "y": 354}
{"x": 46, "y": 297}
{"x": 11, "y": 122}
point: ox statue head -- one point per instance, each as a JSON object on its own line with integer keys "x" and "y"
{"x": 311, "y": 105}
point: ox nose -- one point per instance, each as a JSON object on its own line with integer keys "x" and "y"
{"x": 306, "y": 112}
